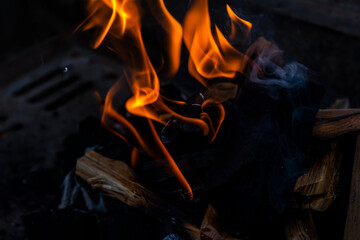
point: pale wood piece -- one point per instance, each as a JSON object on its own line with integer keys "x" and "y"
{"x": 337, "y": 125}
{"x": 352, "y": 227}
{"x": 113, "y": 177}
{"x": 118, "y": 180}
{"x": 301, "y": 227}
{"x": 210, "y": 228}
{"x": 319, "y": 182}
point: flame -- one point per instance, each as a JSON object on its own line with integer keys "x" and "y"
{"x": 215, "y": 126}
{"x": 174, "y": 34}
{"x": 237, "y": 22}
{"x": 157, "y": 152}
{"x": 211, "y": 55}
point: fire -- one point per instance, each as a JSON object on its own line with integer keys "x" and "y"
{"x": 238, "y": 23}
{"x": 211, "y": 56}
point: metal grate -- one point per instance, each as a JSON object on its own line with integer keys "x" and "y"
{"x": 44, "y": 106}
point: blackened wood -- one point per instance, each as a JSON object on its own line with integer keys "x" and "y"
{"x": 352, "y": 228}
{"x": 118, "y": 180}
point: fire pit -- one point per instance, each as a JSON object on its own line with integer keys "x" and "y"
{"x": 188, "y": 125}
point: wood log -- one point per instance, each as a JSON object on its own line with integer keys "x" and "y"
{"x": 337, "y": 122}
{"x": 300, "y": 226}
{"x": 118, "y": 180}
{"x": 336, "y": 113}
{"x": 352, "y": 227}
{"x": 319, "y": 182}
{"x": 210, "y": 228}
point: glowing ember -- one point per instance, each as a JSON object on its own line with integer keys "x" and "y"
{"x": 211, "y": 56}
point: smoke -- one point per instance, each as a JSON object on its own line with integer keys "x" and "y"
{"x": 291, "y": 75}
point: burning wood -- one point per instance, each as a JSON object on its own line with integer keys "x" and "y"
{"x": 280, "y": 128}
{"x": 118, "y": 180}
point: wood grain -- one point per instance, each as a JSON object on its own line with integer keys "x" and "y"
{"x": 338, "y": 125}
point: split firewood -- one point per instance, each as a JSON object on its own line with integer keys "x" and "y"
{"x": 318, "y": 184}
{"x": 336, "y": 122}
{"x": 210, "y": 227}
{"x": 300, "y": 226}
{"x": 352, "y": 227}
{"x": 118, "y": 180}
{"x": 336, "y": 113}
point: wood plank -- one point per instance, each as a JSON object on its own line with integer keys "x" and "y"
{"x": 352, "y": 227}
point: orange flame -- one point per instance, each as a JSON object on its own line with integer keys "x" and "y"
{"x": 174, "y": 34}
{"x": 236, "y": 21}
{"x": 211, "y": 55}
{"x": 124, "y": 24}
{"x": 159, "y": 152}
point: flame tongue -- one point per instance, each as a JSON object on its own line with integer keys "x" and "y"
{"x": 173, "y": 37}
{"x": 211, "y": 56}
{"x": 238, "y": 23}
